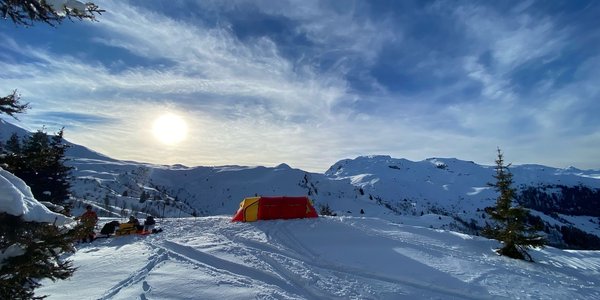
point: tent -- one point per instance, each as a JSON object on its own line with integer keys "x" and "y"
{"x": 270, "y": 208}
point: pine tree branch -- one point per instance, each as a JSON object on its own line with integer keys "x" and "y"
{"x": 27, "y": 12}
{"x": 10, "y": 105}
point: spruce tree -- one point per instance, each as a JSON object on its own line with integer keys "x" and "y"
{"x": 11, "y": 158}
{"x": 37, "y": 160}
{"x": 14, "y": 143}
{"x": 510, "y": 226}
{"x": 60, "y": 173}
{"x": 42, "y": 245}
{"x": 144, "y": 196}
{"x": 40, "y": 161}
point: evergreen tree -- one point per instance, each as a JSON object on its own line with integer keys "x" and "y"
{"x": 107, "y": 203}
{"x": 510, "y": 226}
{"x": 11, "y": 158}
{"x": 42, "y": 245}
{"x": 14, "y": 143}
{"x": 144, "y": 196}
{"x": 35, "y": 156}
{"x": 40, "y": 161}
{"x": 60, "y": 174}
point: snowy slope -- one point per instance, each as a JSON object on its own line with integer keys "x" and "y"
{"x": 324, "y": 258}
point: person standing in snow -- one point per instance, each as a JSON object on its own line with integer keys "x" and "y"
{"x": 149, "y": 223}
{"x": 89, "y": 219}
{"x": 136, "y": 223}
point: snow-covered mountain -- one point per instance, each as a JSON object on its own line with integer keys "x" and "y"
{"x": 440, "y": 192}
{"x": 564, "y": 200}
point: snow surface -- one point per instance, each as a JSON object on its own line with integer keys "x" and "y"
{"x": 324, "y": 258}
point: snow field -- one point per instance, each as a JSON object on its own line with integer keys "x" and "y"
{"x": 324, "y": 258}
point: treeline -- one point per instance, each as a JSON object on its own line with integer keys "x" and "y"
{"x": 569, "y": 200}
{"x": 575, "y": 238}
{"x": 38, "y": 160}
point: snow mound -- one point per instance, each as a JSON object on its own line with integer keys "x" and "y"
{"x": 16, "y": 199}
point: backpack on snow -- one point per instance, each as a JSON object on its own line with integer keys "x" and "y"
{"x": 109, "y": 228}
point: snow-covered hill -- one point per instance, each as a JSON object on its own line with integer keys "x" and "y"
{"x": 324, "y": 258}
{"x": 453, "y": 191}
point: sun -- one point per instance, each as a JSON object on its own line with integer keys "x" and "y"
{"x": 170, "y": 129}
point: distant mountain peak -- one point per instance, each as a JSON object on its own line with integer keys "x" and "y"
{"x": 283, "y": 166}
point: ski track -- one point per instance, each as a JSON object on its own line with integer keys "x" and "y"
{"x": 289, "y": 262}
{"x": 137, "y": 276}
{"x": 279, "y": 260}
{"x": 220, "y": 265}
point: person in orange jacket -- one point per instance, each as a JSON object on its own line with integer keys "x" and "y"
{"x": 89, "y": 219}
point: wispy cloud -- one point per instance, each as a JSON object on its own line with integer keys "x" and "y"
{"x": 343, "y": 79}
{"x": 213, "y": 61}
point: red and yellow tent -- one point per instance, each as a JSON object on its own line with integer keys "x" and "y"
{"x": 270, "y": 208}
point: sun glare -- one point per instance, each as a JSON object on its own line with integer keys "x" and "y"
{"x": 170, "y": 129}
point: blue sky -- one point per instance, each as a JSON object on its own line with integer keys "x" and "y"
{"x": 311, "y": 82}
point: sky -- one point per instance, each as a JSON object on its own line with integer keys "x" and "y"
{"x": 309, "y": 83}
